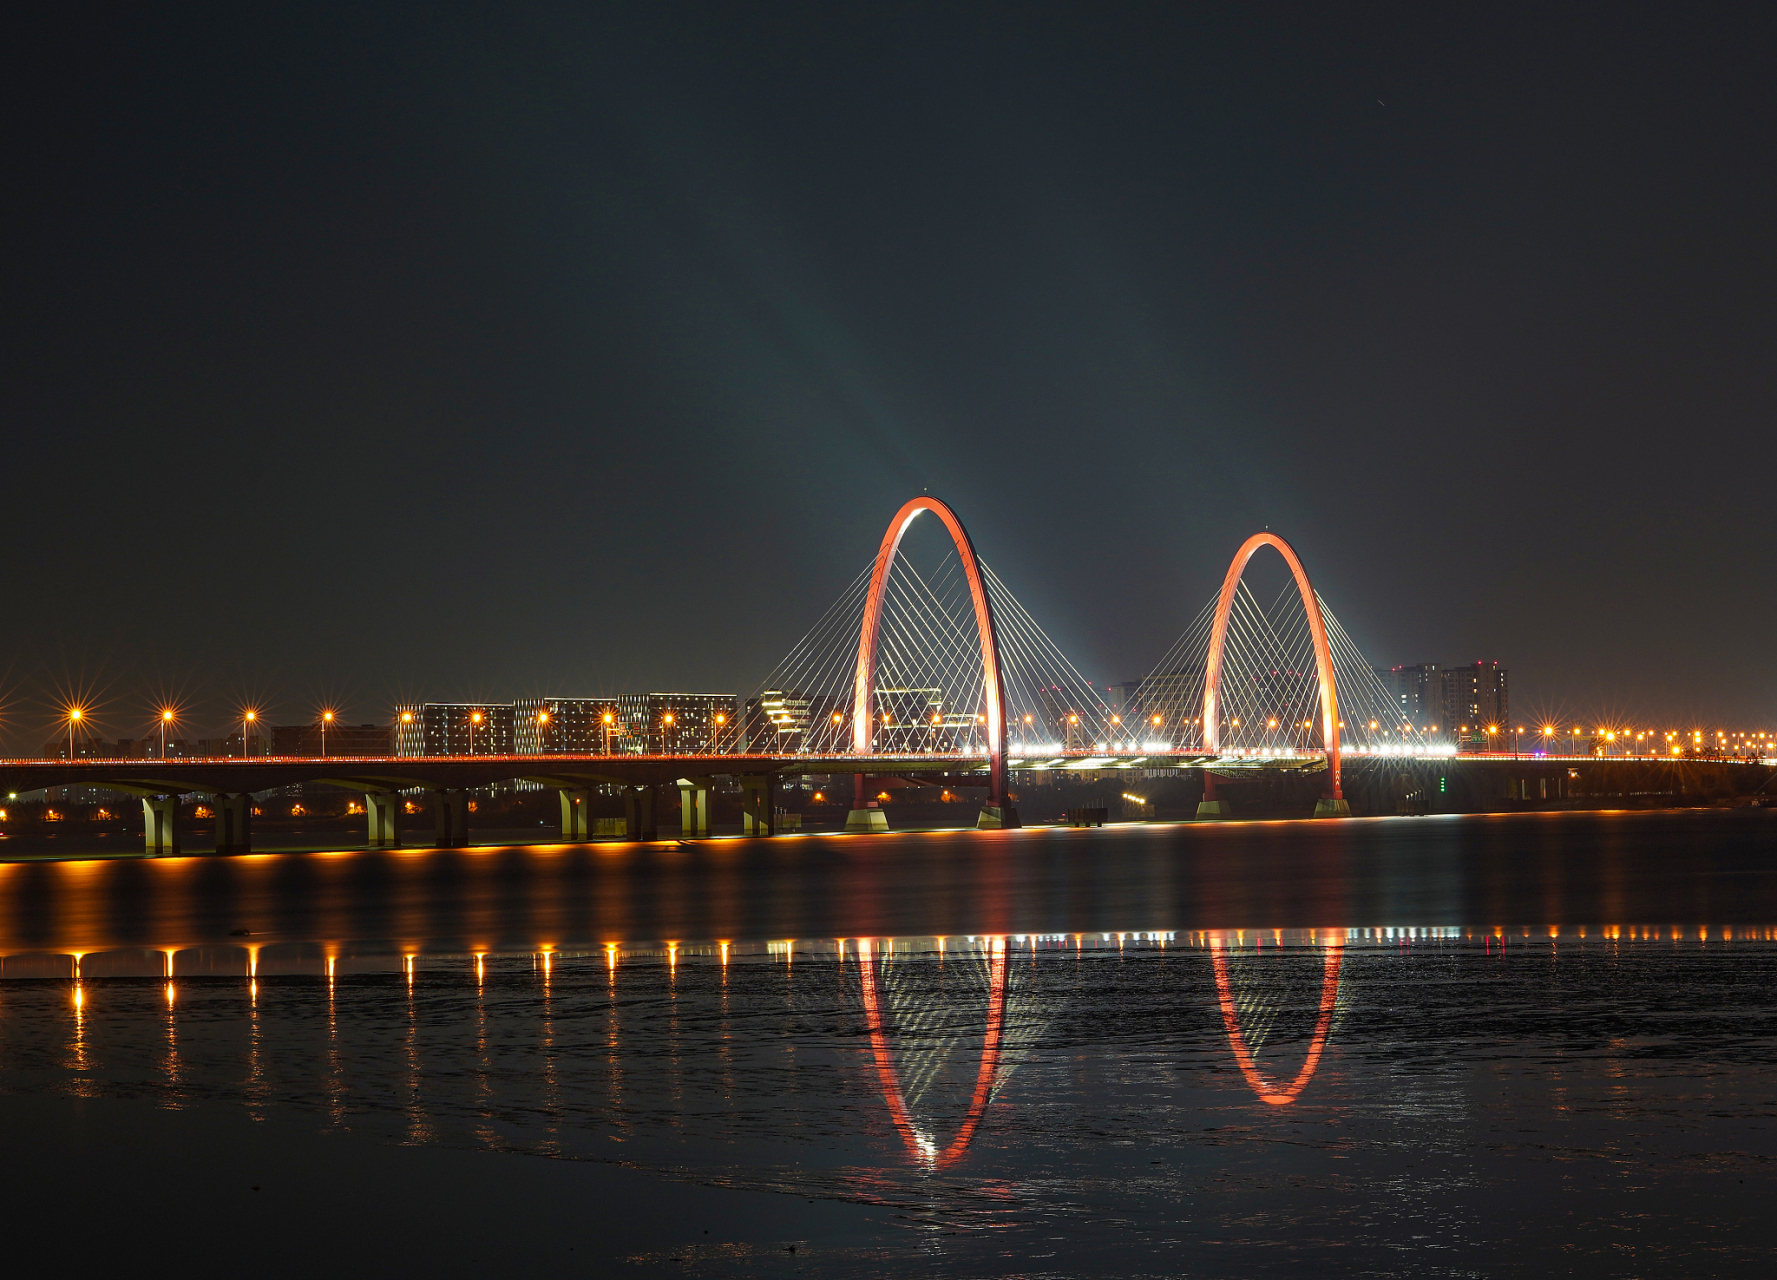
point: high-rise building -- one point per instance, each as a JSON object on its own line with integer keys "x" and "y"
{"x": 451, "y": 729}
{"x": 1475, "y": 700}
{"x": 1419, "y": 693}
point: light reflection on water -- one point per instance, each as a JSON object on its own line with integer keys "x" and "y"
{"x": 1568, "y": 1089}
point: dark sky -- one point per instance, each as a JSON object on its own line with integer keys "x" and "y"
{"x": 375, "y": 351}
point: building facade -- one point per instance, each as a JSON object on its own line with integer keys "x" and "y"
{"x": 452, "y": 729}
{"x": 565, "y": 726}
{"x": 677, "y": 723}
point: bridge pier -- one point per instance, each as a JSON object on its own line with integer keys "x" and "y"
{"x": 866, "y": 816}
{"x": 450, "y": 808}
{"x": 641, "y": 807}
{"x": 759, "y": 812}
{"x": 1211, "y": 808}
{"x": 576, "y": 804}
{"x": 694, "y": 807}
{"x": 383, "y": 808}
{"x": 160, "y": 825}
{"x": 1332, "y": 807}
{"x": 234, "y": 822}
{"x": 994, "y": 817}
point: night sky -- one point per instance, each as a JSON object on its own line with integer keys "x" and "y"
{"x": 365, "y": 352}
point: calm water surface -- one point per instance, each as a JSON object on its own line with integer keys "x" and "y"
{"x": 1474, "y": 1046}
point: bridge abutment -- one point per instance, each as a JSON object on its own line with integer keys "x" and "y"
{"x": 234, "y": 823}
{"x": 383, "y": 808}
{"x": 160, "y": 825}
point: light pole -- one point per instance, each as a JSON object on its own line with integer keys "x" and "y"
{"x": 326, "y": 719}
{"x": 716, "y": 737}
{"x": 666, "y": 728}
{"x": 542, "y": 722}
{"x": 166, "y": 718}
{"x": 474, "y": 719}
{"x": 75, "y": 716}
{"x": 247, "y": 720}
{"x": 607, "y": 733}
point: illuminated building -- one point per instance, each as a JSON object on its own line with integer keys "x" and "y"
{"x": 449, "y": 729}
{"x": 673, "y": 723}
{"x": 563, "y": 726}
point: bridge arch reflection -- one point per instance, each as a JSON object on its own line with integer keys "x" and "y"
{"x": 922, "y": 1145}
{"x": 1269, "y": 1091}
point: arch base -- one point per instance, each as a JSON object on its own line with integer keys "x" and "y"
{"x": 1213, "y": 810}
{"x": 1332, "y": 807}
{"x": 866, "y": 821}
{"x": 998, "y": 818}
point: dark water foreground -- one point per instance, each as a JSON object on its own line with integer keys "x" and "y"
{"x": 1532, "y": 1045}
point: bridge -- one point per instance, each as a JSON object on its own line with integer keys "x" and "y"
{"x": 938, "y": 675}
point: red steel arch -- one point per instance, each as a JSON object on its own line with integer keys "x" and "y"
{"x": 864, "y": 682}
{"x": 1323, "y": 653}
{"x": 1270, "y": 1093}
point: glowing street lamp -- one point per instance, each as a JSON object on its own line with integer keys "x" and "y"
{"x": 607, "y": 733}
{"x": 326, "y": 719}
{"x": 249, "y": 718}
{"x": 166, "y": 718}
{"x": 75, "y": 716}
{"x": 474, "y": 719}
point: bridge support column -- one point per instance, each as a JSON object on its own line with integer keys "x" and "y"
{"x": 160, "y": 825}
{"x": 1332, "y": 807}
{"x": 995, "y": 817}
{"x": 642, "y": 812}
{"x": 383, "y": 808}
{"x": 759, "y": 812}
{"x": 576, "y": 805}
{"x": 234, "y": 823}
{"x": 450, "y": 808}
{"x": 1211, "y": 807}
{"x": 694, "y": 808}
{"x": 866, "y": 815}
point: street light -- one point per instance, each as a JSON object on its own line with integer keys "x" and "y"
{"x": 716, "y": 737}
{"x": 166, "y": 718}
{"x": 474, "y": 719}
{"x": 75, "y": 716}
{"x": 248, "y": 718}
{"x": 607, "y": 733}
{"x": 326, "y": 719}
